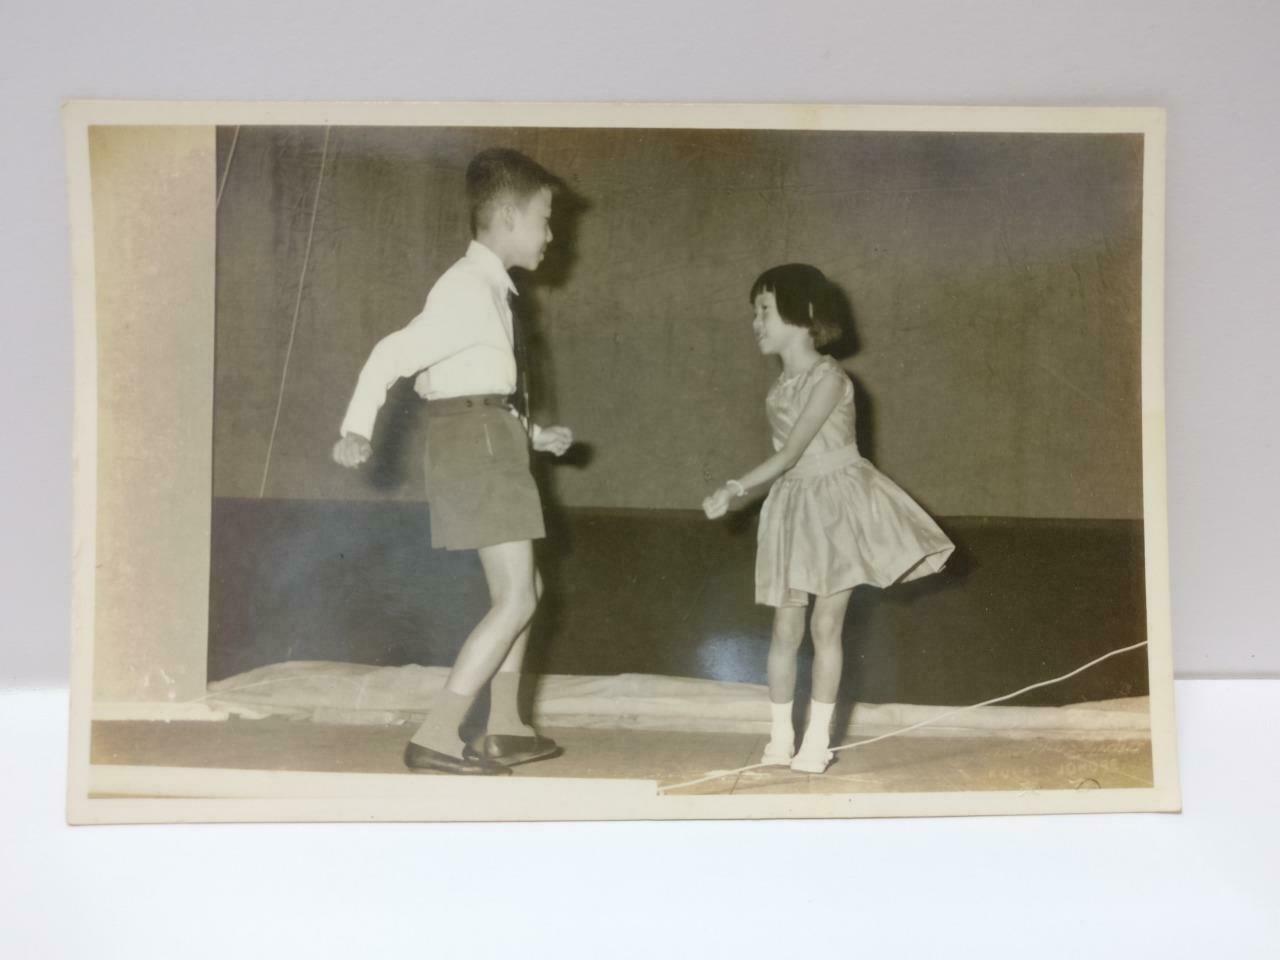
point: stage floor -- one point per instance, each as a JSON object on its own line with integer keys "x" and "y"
{"x": 901, "y": 764}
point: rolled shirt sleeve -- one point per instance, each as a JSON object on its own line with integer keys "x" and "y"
{"x": 437, "y": 333}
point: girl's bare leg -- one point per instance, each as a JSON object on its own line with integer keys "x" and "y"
{"x": 827, "y": 627}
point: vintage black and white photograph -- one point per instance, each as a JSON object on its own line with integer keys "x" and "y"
{"x": 556, "y": 462}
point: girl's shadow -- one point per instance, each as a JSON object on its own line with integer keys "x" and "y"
{"x": 844, "y": 348}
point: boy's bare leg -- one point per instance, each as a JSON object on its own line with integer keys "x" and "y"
{"x": 514, "y": 661}
{"x": 504, "y": 689}
{"x": 508, "y": 569}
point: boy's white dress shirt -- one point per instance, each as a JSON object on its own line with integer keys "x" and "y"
{"x": 459, "y": 345}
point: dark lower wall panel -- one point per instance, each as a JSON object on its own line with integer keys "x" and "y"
{"x": 670, "y": 593}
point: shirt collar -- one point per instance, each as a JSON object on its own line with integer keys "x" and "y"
{"x": 490, "y": 265}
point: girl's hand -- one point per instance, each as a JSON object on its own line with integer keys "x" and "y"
{"x": 352, "y": 450}
{"x": 717, "y": 505}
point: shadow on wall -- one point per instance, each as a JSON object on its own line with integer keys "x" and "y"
{"x": 844, "y": 349}
{"x": 554, "y": 273}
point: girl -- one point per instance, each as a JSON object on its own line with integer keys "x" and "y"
{"x": 831, "y": 521}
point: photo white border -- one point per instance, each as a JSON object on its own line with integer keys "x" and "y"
{"x": 238, "y": 795}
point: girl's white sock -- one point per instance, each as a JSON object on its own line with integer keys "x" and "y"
{"x": 782, "y": 735}
{"x": 780, "y": 728}
{"x": 817, "y": 735}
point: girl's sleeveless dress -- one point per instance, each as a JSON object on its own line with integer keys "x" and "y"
{"x": 834, "y": 521}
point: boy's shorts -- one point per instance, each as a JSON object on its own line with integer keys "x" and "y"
{"x": 479, "y": 486}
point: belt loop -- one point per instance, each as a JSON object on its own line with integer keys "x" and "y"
{"x": 460, "y": 404}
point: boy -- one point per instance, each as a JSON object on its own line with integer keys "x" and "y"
{"x": 481, "y": 493}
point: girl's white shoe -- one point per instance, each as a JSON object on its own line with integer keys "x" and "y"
{"x": 815, "y": 751}
{"x": 778, "y": 754}
{"x": 812, "y": 762}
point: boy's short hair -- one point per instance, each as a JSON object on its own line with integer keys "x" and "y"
{"x": 499, "y": 172}
{"x": 805, "y": 298}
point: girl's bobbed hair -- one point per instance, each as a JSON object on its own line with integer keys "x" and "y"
{"x": 805, "y": 298}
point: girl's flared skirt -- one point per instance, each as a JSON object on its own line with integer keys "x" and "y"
{"x": 837, "y": 523}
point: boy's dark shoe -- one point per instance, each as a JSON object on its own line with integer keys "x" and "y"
{"x": 419, "y": 758}
{"x": 509, "y": 750}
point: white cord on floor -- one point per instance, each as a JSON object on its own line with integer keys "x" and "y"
{"x": 718, "y": 774}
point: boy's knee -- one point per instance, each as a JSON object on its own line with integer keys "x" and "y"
{"x": 526, "y": 605}
{"x": 520, "y": 604}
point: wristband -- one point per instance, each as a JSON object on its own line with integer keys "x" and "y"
{"x": 736, "y": 488}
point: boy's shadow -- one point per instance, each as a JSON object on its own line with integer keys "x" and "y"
{"x": 399, "y": 439}
{"x": 541, "y": 376}
{"x": 553, "y": 274}
{"x": 562, "y": 253}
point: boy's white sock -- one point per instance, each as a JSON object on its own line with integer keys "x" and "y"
{"x": 504, "y": 708}
{"x": 439, "y": 731}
